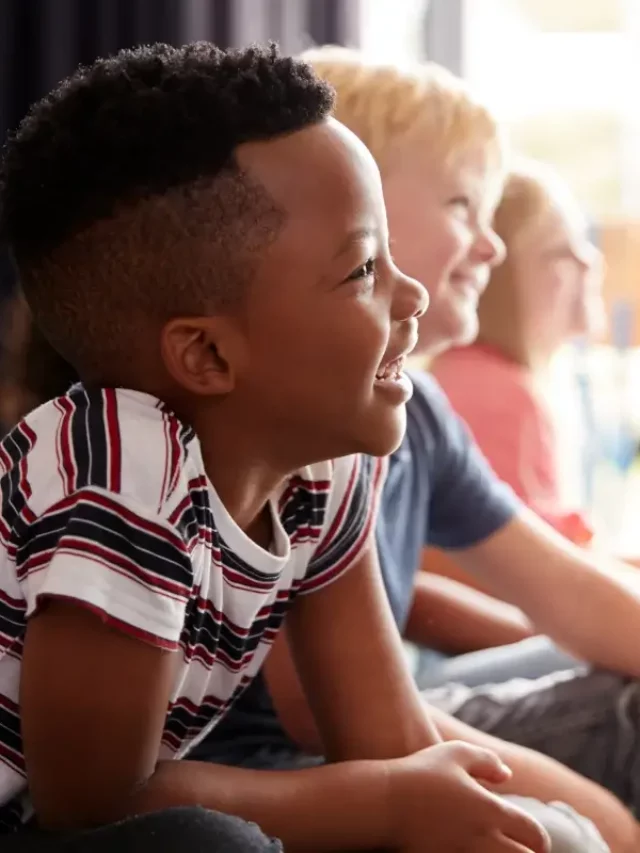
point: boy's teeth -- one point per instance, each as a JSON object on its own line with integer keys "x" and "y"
{"x": 391, "y": 370}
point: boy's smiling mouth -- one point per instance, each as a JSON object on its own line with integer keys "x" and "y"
{"x": 392, "y": 379}
{"x": 391, "y": 370}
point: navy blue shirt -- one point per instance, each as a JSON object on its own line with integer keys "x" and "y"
{"x": 441, "y": 491}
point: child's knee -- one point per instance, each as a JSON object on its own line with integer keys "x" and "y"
{"x": 569, "y": 831}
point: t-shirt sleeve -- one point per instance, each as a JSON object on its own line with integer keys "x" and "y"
{"x": 112, "y": 556}
{"x": 468, "y": 501}
{"x": 351, "y": 512}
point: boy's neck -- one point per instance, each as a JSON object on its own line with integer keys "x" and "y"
{"x": 240, "y": 470}
{"x": 244, "y": 486}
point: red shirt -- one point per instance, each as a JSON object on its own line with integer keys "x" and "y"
{"x": 512, "y": 426}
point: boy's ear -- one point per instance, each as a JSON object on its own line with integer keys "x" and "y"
{"x": 202, "y": 354}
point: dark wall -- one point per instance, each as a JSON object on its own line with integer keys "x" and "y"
{"x": 42, "y": 41}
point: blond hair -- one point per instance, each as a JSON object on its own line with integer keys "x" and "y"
{"x": 386, "y": 105}
{"x": 528, "y": 195}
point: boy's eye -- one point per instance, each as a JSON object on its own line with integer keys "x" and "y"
{"x": 366, "y": 270}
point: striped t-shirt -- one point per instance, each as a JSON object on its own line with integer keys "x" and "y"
{"x": 105, "y": 501}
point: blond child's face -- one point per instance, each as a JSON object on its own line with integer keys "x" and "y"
{"x": 440, "y": 212}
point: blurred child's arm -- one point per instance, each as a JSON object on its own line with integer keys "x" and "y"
{"x": 587, "y": 603}
{"x": 450, "y": 616}
{"x": 289, "y": 698}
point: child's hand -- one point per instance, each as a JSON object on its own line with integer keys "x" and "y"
{"x": 439, "y": 804}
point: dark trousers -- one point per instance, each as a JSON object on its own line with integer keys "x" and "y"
{"x": 176, "y": 830}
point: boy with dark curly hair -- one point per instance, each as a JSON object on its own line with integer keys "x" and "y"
{"x": 209, "y": 251}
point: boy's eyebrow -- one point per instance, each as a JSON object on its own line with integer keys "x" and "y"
{"x": 361, "y": 235}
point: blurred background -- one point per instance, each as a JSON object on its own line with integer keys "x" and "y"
{"x": 559, "y": 73}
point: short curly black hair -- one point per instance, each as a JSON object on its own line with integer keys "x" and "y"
{"x": 112, "y": 180}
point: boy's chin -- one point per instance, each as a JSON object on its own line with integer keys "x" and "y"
{"x": 384, "y": 437}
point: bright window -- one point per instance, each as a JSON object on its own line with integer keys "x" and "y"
{"x": 563, "y": 76}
